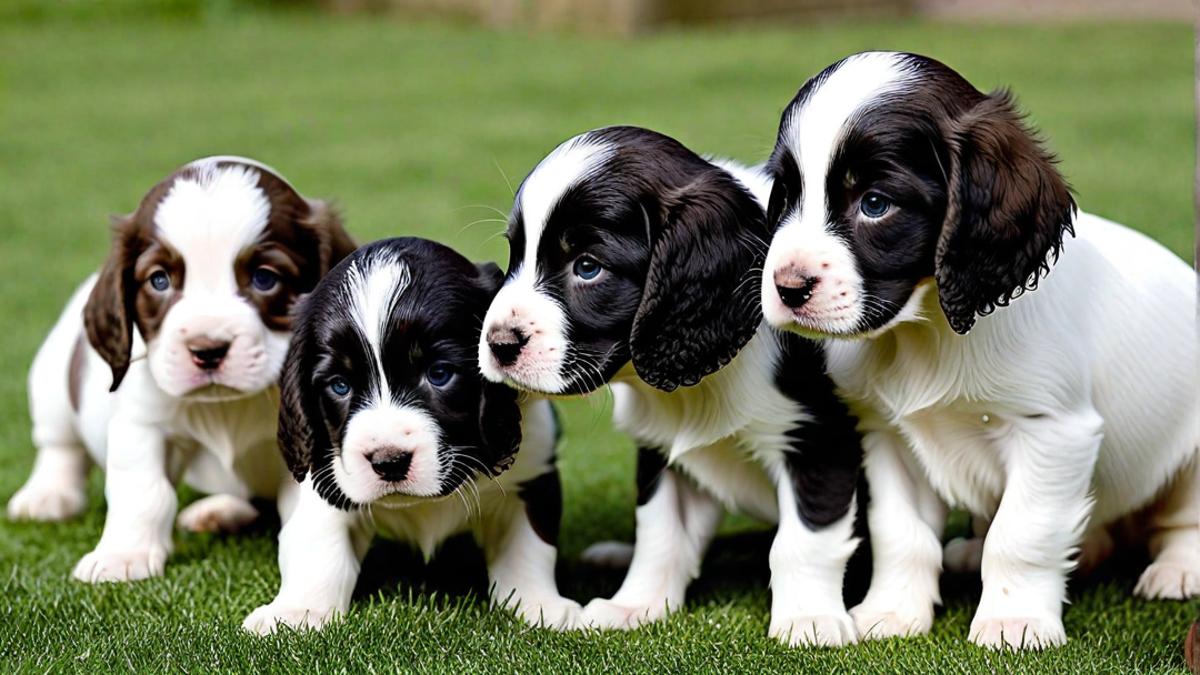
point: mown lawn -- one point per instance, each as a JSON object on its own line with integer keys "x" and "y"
{"x": 422, "y": 129}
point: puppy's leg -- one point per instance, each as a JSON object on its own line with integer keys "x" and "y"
{"x": 57, "y": 488}
{"x": 675, "y": 524}
{"x": 141, "y": 507}
{"x": 808, "y": 566}
{"x": 1042, "y": 517}
{"x": 520, "y": 539}
{"x": 905, "y": 519}
{"x": 1175, "y": 542}
{"x": 320, "y": 554}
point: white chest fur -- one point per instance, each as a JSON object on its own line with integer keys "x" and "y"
{"x": 727, "y": 433}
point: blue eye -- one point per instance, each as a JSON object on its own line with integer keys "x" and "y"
{"x": 874, "y": 205}
{"x": 439, "y": 373}
{"x": 264, "y": 279}
{"x": 587, "y": 268}
{"x": 159, "y": 281}
{"x": 339, "y": 386}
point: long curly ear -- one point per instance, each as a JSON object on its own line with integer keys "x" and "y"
{"x": 500, "y": 425}
{"x": 108, "y": 314}
{"x": 297, "y": 434}
{"x": 1007, "y": 213}
{"x": 491, "y": 278}
{"x": 699, "y": 306}
{"x": 333, "y": 241}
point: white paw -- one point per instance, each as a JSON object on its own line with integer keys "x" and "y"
{"x": 815, "y": 630}
{"x": 557, "y": 614}
{"x": 1169, "y": 581}
{"x": 1018, "y": 633}
{"x": 874, "y": 624}
{"x": 103, "y": 566}
{"x": 46, "y": 502}
{"x": 217, "y": 514}
{"x": 604, "y": 614}
{"x": 267, "y": 619}
{"x": 615, "y": 555}
{"x": 963, "y": 556}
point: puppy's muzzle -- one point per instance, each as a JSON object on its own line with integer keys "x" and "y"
{"x": 506, "y": 344}
{"x": 208, "y": 354}
{"x": 794, "y": 286}
{"x": 390, "y": 464}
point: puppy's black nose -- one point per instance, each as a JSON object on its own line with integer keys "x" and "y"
{"x": 391, "y": 465}
{"x": 794, "y": 288}
{"x": 207, "y": 354}
{"x": 506, "y": 344}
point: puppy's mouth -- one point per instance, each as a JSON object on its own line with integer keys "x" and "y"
{"x": 216, "y": 393}
{"x": 578, "y": 375}
{"x": 399, "y": 500}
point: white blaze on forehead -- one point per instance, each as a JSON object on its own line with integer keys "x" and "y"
{"x": 209, "y": 218}
{"x": 567, "y": 165}
{"x": 814, "y": 131}
{"x": 373, "y": 286}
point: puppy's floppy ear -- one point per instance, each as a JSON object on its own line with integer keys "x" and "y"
{"x": 500, "y": 425}
{"x": 491, "y": 278}
{"x": 1006, "y": 214}
{"x": 333, "y": 241}
{"x": 297, "y": 435}
{"x": 699, "y": 305}
{"x": 108, "y": 314}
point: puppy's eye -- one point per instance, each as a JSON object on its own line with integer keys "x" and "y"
{"x": 874, "y": 205}
{"x": 587, "y": 268}
{"x": 264, "y": 279}
{"x": 159, "y": 281}
{"x": 439, "y": 374}
{"x": 339, "y": 387}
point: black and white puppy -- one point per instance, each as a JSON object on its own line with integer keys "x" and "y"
{"x": 635, "y": 261}
{"x": 387, "y": 423}
{"x": 163, "y": 367}
{"x": 1048, "y": 386}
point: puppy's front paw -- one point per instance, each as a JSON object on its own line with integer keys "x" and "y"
{"x": 46, "y": 502}
{"x": 604, "y": 614}
{"x": 217, "y": 514}
{"x": 1169, "y": 581}
{"x": 556, "y": 614}
{"x": 114, "y": 566}
{"x": 267, "y": 619}
{"x": 879, "y": 624}
{"x": 815, "y": 630}
{"x": 1018, "y": 633}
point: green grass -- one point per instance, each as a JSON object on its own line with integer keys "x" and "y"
{"x": 420, "y": 129}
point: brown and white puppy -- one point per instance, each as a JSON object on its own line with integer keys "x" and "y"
{"x": 164, "y": 365}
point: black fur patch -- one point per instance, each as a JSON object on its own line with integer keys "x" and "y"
{"x": 826, "y": 453}
{"x": 650, "y": 466}
{"x": 543, "y": 504}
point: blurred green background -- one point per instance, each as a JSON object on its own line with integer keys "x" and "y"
{"x": 423, "y": 127}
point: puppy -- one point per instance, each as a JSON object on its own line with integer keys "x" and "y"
{"x": 917, "y": 219}
{"x": 164, "y": 365}
{"x": 386, "y": 421}
{"x": 634, "y": 261}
